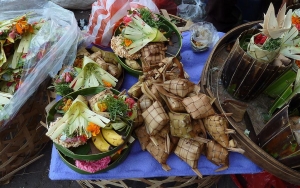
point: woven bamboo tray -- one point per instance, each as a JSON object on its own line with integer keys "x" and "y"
{"x": 172, "y": 181}
{"x": 23, "y": 137}
{"x": 211, "y": 85}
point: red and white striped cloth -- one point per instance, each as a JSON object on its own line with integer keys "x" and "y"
{"x": 106, "y": 15}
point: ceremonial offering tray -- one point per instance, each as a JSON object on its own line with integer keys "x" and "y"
{"x": 106, "y": 141}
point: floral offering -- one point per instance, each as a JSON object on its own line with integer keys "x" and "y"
{"x": 88, "y": 70}
{"x": 82, "y": 120}
{"x": 141, "y": 38}
{"x": 15, "y": 37}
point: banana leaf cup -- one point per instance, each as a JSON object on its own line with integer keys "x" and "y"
{"x": 84, "y": 152}
{"x": 173, "y": 50}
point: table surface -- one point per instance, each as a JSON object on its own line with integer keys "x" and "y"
{"x": 140, "y": 164}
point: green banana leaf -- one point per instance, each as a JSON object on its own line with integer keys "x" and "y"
{"x": 71, "y": 162}
{"x": 276, "y": 88}
{"x": 76, "y": 153}
{"x": 288, "y": 94}
{"x": 282, "y": 99}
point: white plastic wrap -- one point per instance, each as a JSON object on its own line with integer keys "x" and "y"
{"x": 57, "y": 39}
{"x": 204, "y": 33}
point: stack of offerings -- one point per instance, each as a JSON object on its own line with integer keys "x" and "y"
{"x": 174, "y": 116}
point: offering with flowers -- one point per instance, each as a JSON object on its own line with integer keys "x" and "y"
{"x": 261, "y": 55}
{"x": 91, "y": 68}
{"x": 96, "y": 120}
{"x": 143, "y": 39}
{"x": 15, "y": 37}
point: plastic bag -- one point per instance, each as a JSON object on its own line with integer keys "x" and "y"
{"x": 106, "y": 14}
{"x": 204, "y": 33}
{"x": 193, "y": 10}
{"x": 52, "y": 46}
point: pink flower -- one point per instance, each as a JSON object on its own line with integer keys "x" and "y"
{"x": 130, "y": 102}
{"x": 93, "y": 166}
{"x": 12, "y": 34}
{"x": 68, "y": 77}
{"x": 127, "y": 20}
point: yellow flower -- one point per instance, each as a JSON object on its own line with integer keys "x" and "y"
{"x": 67, "y": 105}
{"x": 93, "y": 128}
{"x": 102, "y": 107}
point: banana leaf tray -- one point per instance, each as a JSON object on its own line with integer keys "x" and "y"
{"x": 253, "y": 119}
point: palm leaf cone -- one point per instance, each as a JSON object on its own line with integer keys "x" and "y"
{"x": 155, "y": 118}
{"x": 153, "y": 53}
{"x": 198, "y": 106}
{"x": 217, "y": 127}
{"x": 180, "y": 124}
{"x": 144, "y": 102}
{"x": 179, "y": 86}
{"x": 189, "y": 151}
{"x": 139, "y": 120}
{"x": 159, "y": 151}
{"x": 217, "y": 154}
{"x": 135, "y": 90}
{"x": 142, "y": 136}
{"x": 198, "y": 128}
{"x": 173, "y": 102}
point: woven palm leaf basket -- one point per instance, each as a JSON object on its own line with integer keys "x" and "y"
{"x": 23, "y": 137}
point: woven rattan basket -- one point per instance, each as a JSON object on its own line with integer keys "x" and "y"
{"x": 172, "y": 181}
{"x": 23, "y": 137}
{"x": 251, "y": 121}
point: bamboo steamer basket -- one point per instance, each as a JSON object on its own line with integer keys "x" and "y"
{"x": 23, "y": 137}
{"x": 252, "y": 119}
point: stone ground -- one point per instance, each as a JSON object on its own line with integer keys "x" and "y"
{"x": 36, "y": 174}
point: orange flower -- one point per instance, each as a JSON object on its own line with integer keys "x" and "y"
{"x": 93, "y": 128}
{"x": 295, "y": 20}
{"x": 22, "y": 26}
{"x": 102, "y": 107}
{"x": 106, "y": 83}
{"x": 127, "y": 42}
